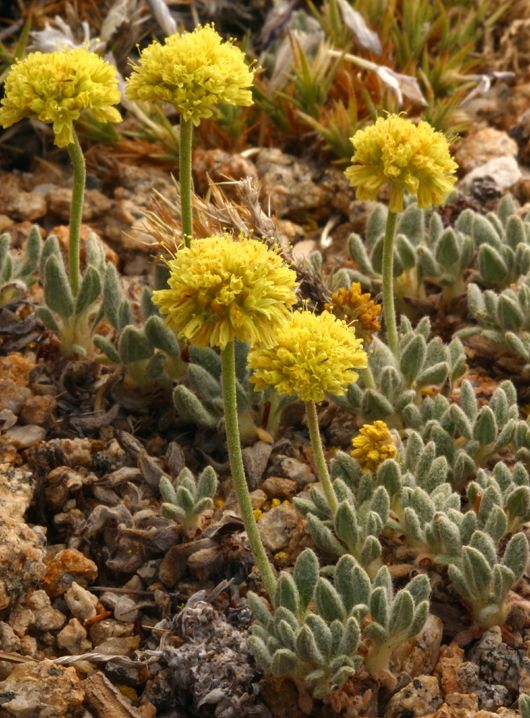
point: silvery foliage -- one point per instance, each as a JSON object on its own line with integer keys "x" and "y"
{"x": 524, "y": 706}
{"x": 186, "y": 497}
{"x": 200, "y": 397}
{"x": 314, "y": 632}
{"x": 399, "y": 379}
{"x": 501, "y": 499}
{"x": 466, "y": 435}
{"x": 485, "y": 582}
{"x": 503, "y": 319}
{"x": 500, "y": 240}
{"x": 365, "y": 502}
{"x": 150, "y": 352}
{"x": 17, "y": 275}
{"x": 75, "y": 319}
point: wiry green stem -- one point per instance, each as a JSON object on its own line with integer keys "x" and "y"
{"x": 388, "y": 282}
{"x": 186, "y": 134}
{"x": 238, "y": 471}
{"x": 76, "y": 211}
{"x": 318, "y": 453}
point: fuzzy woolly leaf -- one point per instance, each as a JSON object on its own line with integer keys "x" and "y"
{"x": 346, "y": 524}
{"x": 89, "y": 291}
{"x": 287, "y": 594}
{"x": 328, "y": 602}
{"x": 321, "y": 632}
{"x": 307, "y": 649}
{"x": 162, "y": 337}
{"x": 401, "y": 614}
{"x": 305, "y": 574}
{"x": 412, "y": 358}
{"x": 350, "y": 639}
{"x": 380, "y": 607}
{"x": 112, "y": 295}
{"x": 167, "y": 490}
{"x": 207, "y": 484}
{"x": 323, "y": 537}
{"x": 190, "y": 407}
{"x": 49, "y": 322}
{"x": 370, "y": 551}
{"x": 485, "y": 429}
{"x": 516, "y": 555}
{"x": 283, "y": 662}
{"x": 57, "y": 293}
{"x": 477, "y": 571}
{"x": 419, "y": 588}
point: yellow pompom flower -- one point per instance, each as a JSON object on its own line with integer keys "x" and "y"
{"x": 313, "y": 354}
{"x": 221, "y": 288}
{"x": 193, "y": 72}
{"x": 56, "y": 87}
{"x": 408, "y": 156}
{"x": 354, "y": 306}
{"x": 374, "y": 445}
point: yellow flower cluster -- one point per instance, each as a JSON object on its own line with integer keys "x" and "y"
{"x": 313, "y": 354}
{"x": 374, "y": 445}
{"x": 193, "y": 72}
{"x": 221, "y": 288}
{"x": 354, "y": 306}
{"x": 409, "y": 156}
{"x": 56, "y": 87}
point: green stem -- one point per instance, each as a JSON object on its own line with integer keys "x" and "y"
{"x": 186, "y": 213}
{"x": 388, "y": 282}
{"x": 368, "y": 378}
{"x": 318, "y": 453}
{"x": 238, "y": 471}
{"x": 76, "y": 211}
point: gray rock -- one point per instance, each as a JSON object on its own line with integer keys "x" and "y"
{"x": 277, "y": 526}
{"x": 503, "y": 170}
{"x": 255, "y": 459}
{"x": 492, "y": 696}
{"x": 293, "y": 469}
{"x": 419, "y": 698}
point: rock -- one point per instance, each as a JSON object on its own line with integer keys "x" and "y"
{"x": 492, "y": 696}
{"x": 95, "y": 204}
{"x": 125, "y": 227}
{"x": 109, "y": 628}
{"x": 22, "y": 437}
{"x": 21, "y": 548}
{"x": 255, "y": 459}
{"x": 490, "y": 639}
{"x": 505, "y": 666}
{"x": 63, "y": 568}
{"x": 47, "y": 618}
{"x": 277, "y": 488}
{"x": 295, "y": 470}
{"x": 304, "y": 249}
{"x": 119, "y": 645}
{"x": 73, "y": 638}
{"x": 463, "y": 704}
{"x": 504, "y": 171}
{"x": 420, "y": 654}
{"x": 485, "y": 145}
{"x": 14, "y": 380}
{"x": 277, "y": 526}
{"x": 21, "y": 206}
{"x": 290, "y": 231}
{"x": 289, "y": 186}
{"x": 38, "y": 410}
{"x": 467, "y": 676}
{"x": 258, "y": 498}
{"x": 419, "y": 698}
{"x": 7, "y": 419}
{"x": 81, "y": 602}
{"x": 77, "y": 452}
{"x": 342, "y": 429}
{"x": 41, "y": 690}
{"x": 221, "y": 167}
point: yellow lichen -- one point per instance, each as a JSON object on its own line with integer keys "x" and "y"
{"x": 408, "y": 156}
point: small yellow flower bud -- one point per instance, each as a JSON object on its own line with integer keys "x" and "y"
{"x": 257, "y": 514}
{"x": 373, "y": 445}
{"x": 275, "y": 503}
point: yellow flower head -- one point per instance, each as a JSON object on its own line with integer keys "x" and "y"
{"x": 57, "y": 86}
{"x": 409, "y": 156}
{"x": 354, "y": 306}
{"x": 221, "y": 288}
{"x": 192, "y": 71}
{"x": 314, "y": 354}
{"x": 374, "y": 445}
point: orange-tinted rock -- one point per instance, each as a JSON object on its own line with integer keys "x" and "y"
{"x": 62, "y": 233}
{"x": 38, "y": 410}
{"x": 63, "y": 568}
{"x": 451, "y": 657}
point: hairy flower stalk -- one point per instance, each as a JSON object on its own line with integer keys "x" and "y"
{"x": 222, "y": 289}
{"x": 56, "y": 87}
{"x": 193, "y": 72}
{"x": 313, "y": 354}
{"x": 408, "y": 156}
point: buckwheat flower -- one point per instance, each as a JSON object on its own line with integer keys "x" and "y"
{"x": 374, "y": 445}
{"x": 313, "y": 354}
{"x": 221, "y": 288}
{"x": 193, "y": 72}
{"x": 354, "y": 306}
{"x": 56, "y": 87}
{"x": 408, "y": 156}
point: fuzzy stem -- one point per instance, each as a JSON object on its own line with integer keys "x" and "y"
{"x": 388, "y": 282}
{"x": 368, "y": 377}
{"x": 318, "y": 453}
{"x": 238, "y": 471}
{"x": 186, "y": 212}
{"x": 76, "y": 211}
